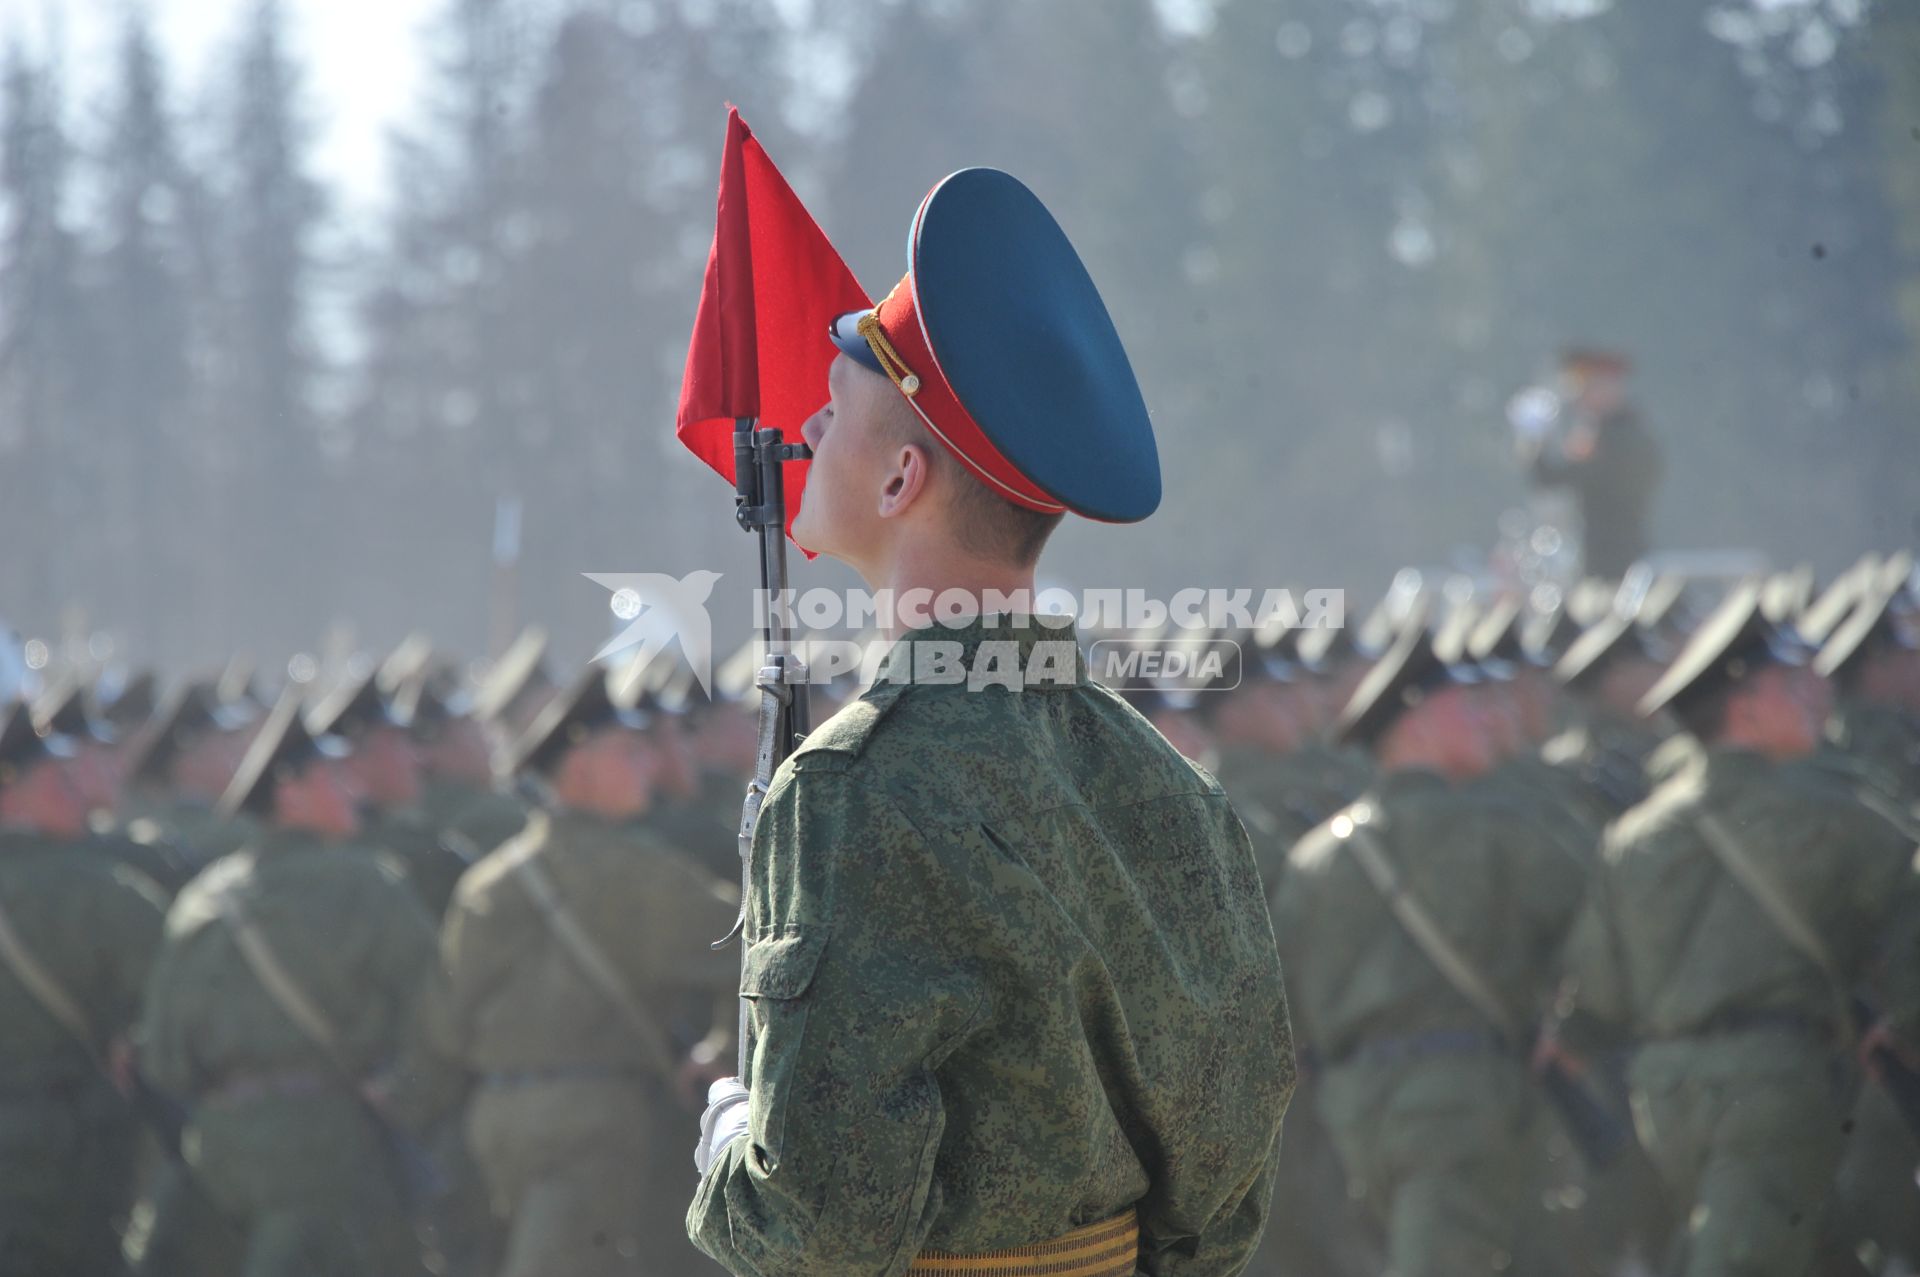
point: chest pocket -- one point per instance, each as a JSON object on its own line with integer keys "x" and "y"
{"x": 775, "y": 978}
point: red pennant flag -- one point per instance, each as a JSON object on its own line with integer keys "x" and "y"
{"x": 773, "y": 284}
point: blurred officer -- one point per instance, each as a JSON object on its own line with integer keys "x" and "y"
{"x": 78, "y": 932}
{"x": 1741, "y": 906}
{"x": 1418, "y": 928}
{"x": 569, "y": 956}
{"x": 285, "y": 992}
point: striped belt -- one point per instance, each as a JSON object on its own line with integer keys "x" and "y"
{"x": 1109, "y": 1248}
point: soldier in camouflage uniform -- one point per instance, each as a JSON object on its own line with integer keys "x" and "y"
{"x": 712, "y": 742}
{"x": 1273, "y": 759}
{"x": 1425, "y": 1090}
{"x": 568, "y": 956}
{"x": 284, "y": 994}
{"x": 78, "y": 931}
{"x": 1741, "y": 905}
{"x": 461, "y": 798}
{"x": 177, "y": 774}
{"x": 93, "y": 767}
{"x": 385, "y": 766}
{"x": 1604, "y": 675}
{"x": 1015, "y": 1000}
{"x": 1872, "y": 654}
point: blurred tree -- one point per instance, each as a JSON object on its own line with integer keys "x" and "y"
{"x": 269, "y": 544}
{"x": 147, "y": 331}
{"x": 47, "y": 447}
{"x": 438, "y": 406}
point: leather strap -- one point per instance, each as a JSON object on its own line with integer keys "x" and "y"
{"x": 45, "y": 988}
{"x": 593, "y": 963}
{"x": 1353, "y": 827}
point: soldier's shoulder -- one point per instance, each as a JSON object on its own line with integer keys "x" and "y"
{"x": 836, "y": 743}
{"x": 199, "y": 902}
{"x": 481, "y": 883}
{"x": 1320, "y": 847}
{"x": 1674, "y": 802}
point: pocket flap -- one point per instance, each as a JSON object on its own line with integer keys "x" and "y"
{"x": 782, "y": 965}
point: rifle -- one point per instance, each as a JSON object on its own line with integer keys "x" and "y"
{"x": 760, "y": 507}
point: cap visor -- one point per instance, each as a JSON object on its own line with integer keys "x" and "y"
{"x": 851, "y": 343}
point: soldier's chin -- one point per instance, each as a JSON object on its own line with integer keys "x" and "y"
{"x": 805, "y": 535}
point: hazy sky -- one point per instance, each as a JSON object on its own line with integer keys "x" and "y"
{"x": 362, "y": 59}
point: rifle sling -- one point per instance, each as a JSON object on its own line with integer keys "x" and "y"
{"x": 1793, "y": 926}
{"x": 1454, "y": 966}
{"x": 287, "y": 994}
{"x": 593, "y": 963}
{"x": 45, "y": 988}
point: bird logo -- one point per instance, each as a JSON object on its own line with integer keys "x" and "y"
{"x": 659, "y": 609}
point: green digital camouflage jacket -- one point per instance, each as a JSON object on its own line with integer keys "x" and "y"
{"x": 1011, "y": 973}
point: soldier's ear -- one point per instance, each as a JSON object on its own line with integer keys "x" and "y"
{"x": 908, "y": 471}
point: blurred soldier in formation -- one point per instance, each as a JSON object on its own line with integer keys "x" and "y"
{"x": 1596, "y": 447}
{"x": 1603, "y": 676}
{"x": 1269, "y": 727}
{"x": 286, "y": 988}
{"x": 78, "y": 932}
{"x": 383, "y": 763}
{"x": 569, "y": 956}
{"x": 1871, "y": 653}
{"x": 696, "y": 804}
{"x": 1417, "y": 928}
{"x": 1741, "y": 907}
{"x": 515, "y": 688}
{"x": 173, "y": 780}
{"x": 95, "y": 769}
{"x": 461, "y": 798}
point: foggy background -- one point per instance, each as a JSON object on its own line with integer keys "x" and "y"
{"x": 303, "y": 305}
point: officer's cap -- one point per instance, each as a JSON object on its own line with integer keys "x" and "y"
{"x": 280, "y": 749}
{"x": 1547, "y": 636}
{"x": 1883, "y": 612}
{"x": 1496, "y": 632}
{"x": 354, "y": 708}
{"x": 131, "y": 706}
{"x": 191, "y": 710}
{"x": 1400, "y": 680}
{"x": 576, "y": 714}
{"x": 22, "y": 743}
{"x": 1452, "y": 642}
{"x": 1613, "y": 637}
{"x": 62, "y": 711}
{"x": 1736, "y": 640}
{"x": 520, "y": 672}
{"x": 999, "y": 340}
{"x": 1785, "y": 595}
{"x": 236, "y": 686}
{"x": 1836, "y": 602}
{"x": 1276, "y": 645}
